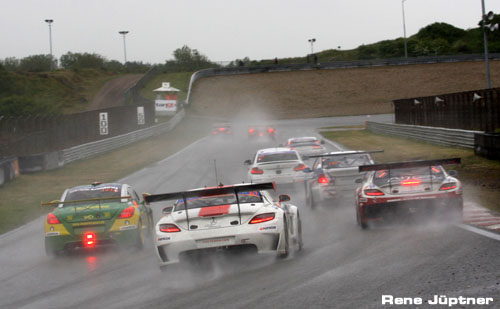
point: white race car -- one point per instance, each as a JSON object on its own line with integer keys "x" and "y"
{"x": 279, "y": 165}
{"x": 243, "y": 216}
{"x": 306, "y": 146}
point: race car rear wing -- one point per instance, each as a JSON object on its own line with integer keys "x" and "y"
{"x": 407, "y": 164}
{"x": 343, "y": 153}
{"x": 53, "y": 203}
{"x": 184, "y": 195}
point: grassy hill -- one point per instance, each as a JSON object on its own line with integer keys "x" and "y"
{"x": 58, "y": 92}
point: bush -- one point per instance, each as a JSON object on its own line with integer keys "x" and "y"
{"x": 35, "y": 63}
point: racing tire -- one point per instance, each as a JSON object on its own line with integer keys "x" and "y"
{"x": 50, "y": 252}
{"x": 140, "y": 237}
{"x": 300, "y": 242}
{"x": 287, "y": 243}
{"x": 150, "y": 228}
{"x": 363, "y": 225}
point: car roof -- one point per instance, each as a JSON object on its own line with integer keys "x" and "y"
{"x": 101, "y": 185}
{"x": 302, "y": 139}
{"x": 275, "y": 150}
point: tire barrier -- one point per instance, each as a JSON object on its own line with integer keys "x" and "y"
{"x": 9, "y": 169}
{"x": 487, "y": 145}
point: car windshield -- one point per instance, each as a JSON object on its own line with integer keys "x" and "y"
{"x": 277, "y": 156}
{"x": 221, "y": 199}
{"x": 396, "y": 176}
{"x": 345, "y": 161}
{"x": 85, "y": 193}
{"x": 303, "y": 144}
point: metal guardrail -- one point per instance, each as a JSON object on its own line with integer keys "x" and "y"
{"x": 93, "y": 148}
{"x": 441, "y": 136}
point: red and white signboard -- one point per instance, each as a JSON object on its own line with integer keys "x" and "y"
{"x": 166, "y": 105}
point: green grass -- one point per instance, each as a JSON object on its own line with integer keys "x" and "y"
{"x": 177, "y": 80}
{"x": 479, "y": 175}
{"x": 21, "y": 198}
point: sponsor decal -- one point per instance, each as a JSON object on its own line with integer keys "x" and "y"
{"x": 69, "y": 218}
{"x": 214, "y": 211}
{"x": 441, "y": 300}
{"x": 128, "y": 227}
{"x": 107, "y": 214}
{"x": 52, "y": 234}
{"x": 92, "y": 207}
{"x": 89, "y": 217}
{"x": 164, "y": 238}
{"x": 267, "y": 228}
{"x": 88, "y": 223}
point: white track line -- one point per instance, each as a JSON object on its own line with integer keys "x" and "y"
{"x": 479, "y": 231}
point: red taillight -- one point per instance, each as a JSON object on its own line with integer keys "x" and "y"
{"x": 52, "y": 219}
{"x": 214, "y": 132}
{"x": 261, "y": 134}
{"x": 270, "y": 130}
{"x": 89, "y": 239}
{"x": 222, "y": 129}
{"x": 314, "y": 146}
{"x": 251, "y": 130}
{"x": 127, "y": 213}
{"x": 322, "y": 179}
{"x": 169, "y": 228}
{"x": 300, "y": 167}
{"x": 373, "y": 192}
{"x": 411, "y": 182}
{"x": 262, "y": 218}
{"x": 256, "y": 170}
{"x": 448, "y": 186}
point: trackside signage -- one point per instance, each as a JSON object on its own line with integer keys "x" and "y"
{"x": 103, "y": 124}
{"x": 438, "y": 300}
{"x": 140, "y": 115}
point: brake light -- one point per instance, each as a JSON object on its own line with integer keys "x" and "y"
{"x": 251, "y": 130}
{"x": 314, "y": 146}
{"x": 214, "y": 132}
{"x": 52, "y": 219}
{"x": 257, "y": 170}
{"x": 89, "y": 239}
{"x": 169, "y": 228}
{"x": 322, "y": 179}
{"x": 261, "y": 134}
{"x": 299, "y": 167}
{"x": 127, "y": 213}
{"x": 373, "y": 192}
{"x": 448, "y": 186}
{"x": 262, "y": 218}
{"x": 411, "y": 182}
{"x": 270, "y": 130}
{"x": 222, "y": 129}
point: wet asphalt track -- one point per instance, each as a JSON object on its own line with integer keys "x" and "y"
{"x": 341, "y": 266}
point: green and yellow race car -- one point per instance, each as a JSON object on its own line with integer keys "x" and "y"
{"x": 97, "y": 215}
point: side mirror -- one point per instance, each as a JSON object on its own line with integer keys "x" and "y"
{"x": 307, "y": 170}
{"x": 247, "y": 162}
{"x": 144, "y": 197}
{"x": 284, "y": 198}
{"x": 322, "y": 142}
{"x": 167, "y": 210}
{"x": 359, "y": 180}
{"x": 453, "y": 173}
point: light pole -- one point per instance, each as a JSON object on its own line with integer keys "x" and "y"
{"x": 404, "y": 27}
{"x": 50, "y": 21}
{"x": 124, "y": 46}
{"x": 492, "y": 27}
{"x": 312, "y": 42}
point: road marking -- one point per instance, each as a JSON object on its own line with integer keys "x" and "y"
{"x": 479, "y": 231}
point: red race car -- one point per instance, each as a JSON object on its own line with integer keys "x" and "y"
{"x": 403, "y": 190}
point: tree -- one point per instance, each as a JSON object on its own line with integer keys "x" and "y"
{"x": 188, "y": 60}
{"x": 35, "y": 63}
{"x": 11, "y": 63}
{"x": 82, "y": 61}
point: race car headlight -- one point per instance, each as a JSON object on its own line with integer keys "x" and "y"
{"x": 262, "y": 218}
{"x": 448, "y": 186}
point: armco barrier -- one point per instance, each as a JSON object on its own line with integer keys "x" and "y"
{"x": 94, "y": 148}
{"x": 441, "y": 136}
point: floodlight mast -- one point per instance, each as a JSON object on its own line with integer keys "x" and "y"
{"x": 404, "y": 28}
{"x": 312, "y": 43}
{"x": 124, "y": 45}
{"x": 50, "y": 21}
